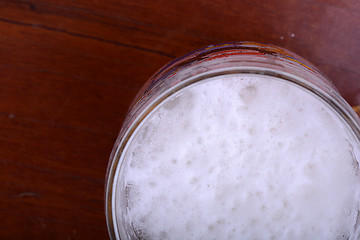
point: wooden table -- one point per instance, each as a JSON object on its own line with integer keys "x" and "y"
{"x": 69, "y": 70}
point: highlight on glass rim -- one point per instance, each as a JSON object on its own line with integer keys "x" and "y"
{"x": 236, "y": 141}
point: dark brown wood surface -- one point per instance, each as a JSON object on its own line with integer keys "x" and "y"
{"x": 69, "y": 70}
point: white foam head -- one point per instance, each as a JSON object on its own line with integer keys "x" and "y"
{"x": 242, "y": 157}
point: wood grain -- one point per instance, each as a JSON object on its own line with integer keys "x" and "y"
{"x": 69, "y": 70}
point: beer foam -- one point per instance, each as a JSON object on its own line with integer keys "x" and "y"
{"x": 242, "y": 157}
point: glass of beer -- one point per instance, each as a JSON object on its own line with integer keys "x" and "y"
{"x": 236, "y": 141}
